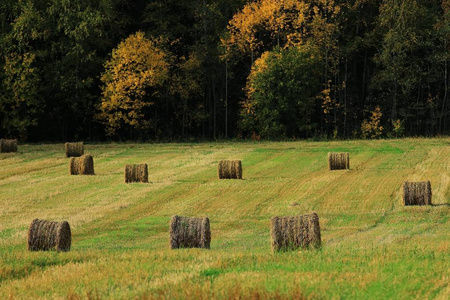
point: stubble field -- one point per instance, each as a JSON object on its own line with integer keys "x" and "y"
{"x": 373, "y": 247}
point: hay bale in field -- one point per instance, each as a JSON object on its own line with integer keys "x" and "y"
{"x": 83, "y": 165}
{"x": 136, "y": 173}
{"x": 74, "y": 149}
{"x": 290, "y": 233}
{"x": 230, "y": 169}
{"x": 186, "y": 232}
{"x": 7, "y": 146}
{"x": 338, "y": 160}
{"x": 45, "y": 235}
{"x": 417, "y": 193}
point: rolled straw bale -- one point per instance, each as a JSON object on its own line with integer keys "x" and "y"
{"x": 136, "y": 173}
{"x": 290, "y": 233}
{"x": 83, "y": 165}
{"x": 338, "y": 160}
{"x": 230, "y": 169}
{"x": 417, "y": 193}
{"x": 221, "y": 169}
{"x": 45, "y": 235}
{"x": 74, "y": 149}
{"x": 7, "y": 146}
{"x": 186, "y": 232}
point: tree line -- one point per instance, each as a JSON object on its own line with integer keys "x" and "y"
{"x": 210, "y": 69}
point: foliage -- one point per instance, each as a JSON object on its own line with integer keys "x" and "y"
{"x": 398, "y": 129}
{"x": 372, "y": 128}
{"x": 280, "y": 93}
{"x": 388, "y": 53}
{"x": 265, "y": 23}
{"x": 132, "y": 80}
{"x": 404, "y": 59}
{"x": 20, "y": 102}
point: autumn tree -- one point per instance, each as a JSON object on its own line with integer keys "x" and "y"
{"x": 264, "y": 24}
{"x": 132, "y": 82}
{"x": 281, "y": 89}
{"x": 372, "y": 128}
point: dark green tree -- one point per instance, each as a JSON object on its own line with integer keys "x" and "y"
{"x": 281, "y": 91}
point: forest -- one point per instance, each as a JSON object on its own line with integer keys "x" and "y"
{"x": 176, "y": 70}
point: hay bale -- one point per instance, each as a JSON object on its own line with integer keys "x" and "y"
{"x": 417, "y": 193}
{"x": 338, "y": 160}
{"x": 83, "y": 165}
{"x": 186, "y": 232}
{"x": 7, "y": 146}
{"x": 136, "y": 173}
{"x": 74, "y": 149}
{"x": 230, "y": 169}
{"x": 45, "y": 235}
{"x": 290, "y": 233}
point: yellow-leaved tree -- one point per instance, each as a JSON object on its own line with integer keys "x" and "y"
{"x": 263, "y": 24}
{"x": 132, "y": 80}
{"x": 372, "y": 128}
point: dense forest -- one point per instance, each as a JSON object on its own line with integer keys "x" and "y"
{"x": 173, "y": 70}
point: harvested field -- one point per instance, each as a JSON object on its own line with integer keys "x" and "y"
{"x": 120, "y": 232}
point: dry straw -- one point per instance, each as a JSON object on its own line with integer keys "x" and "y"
{"x": 7, "y": 146}
{"x": 186, "y": 232}
{"x": 417, "y": 193}
{"x": 338, "y": 160}
{"x": 290, "y": 233}
{"x": 45, "y": 235}
{"x": 83, "y": 165}
{"x": 230, "y": 169}
{"x": 136, "y": 173}
{"x": 74, "y": 149}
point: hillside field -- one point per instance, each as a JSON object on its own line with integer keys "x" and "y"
{"x": 373, "y": 247}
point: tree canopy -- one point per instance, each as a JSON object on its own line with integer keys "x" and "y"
{"x": 132, "y": 81}
{"x": 182, "y": 69}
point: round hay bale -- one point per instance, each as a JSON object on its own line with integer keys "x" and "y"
{"x": 74, "y": 149}
{"x": 83, "y": 165}
{"x": 222, "y": 169}
{"x": 136, "y": 173}
{"x": 8, "y": 146}
{"x": 230, "y": 169}
{"x": 45, "y": 235}
{"x": 187, "y": 232}
{"x": 237, "y": 165}
{"x": 417, "y": 193}
{"x": 338, "y": 160}
{"x": 291, "y": 233}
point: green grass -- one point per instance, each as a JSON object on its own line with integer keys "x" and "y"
{"x": 373, "y": 246}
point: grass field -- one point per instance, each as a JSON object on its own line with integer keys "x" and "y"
{"x": 373, "y": 246}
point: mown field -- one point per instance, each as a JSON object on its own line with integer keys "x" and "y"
{"x": 373, "y": 246}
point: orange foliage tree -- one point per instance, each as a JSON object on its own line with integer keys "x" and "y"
{"x": 372, "y": 128}
{"x": 132, "y": 80}
{"x": 263, "y": 24}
